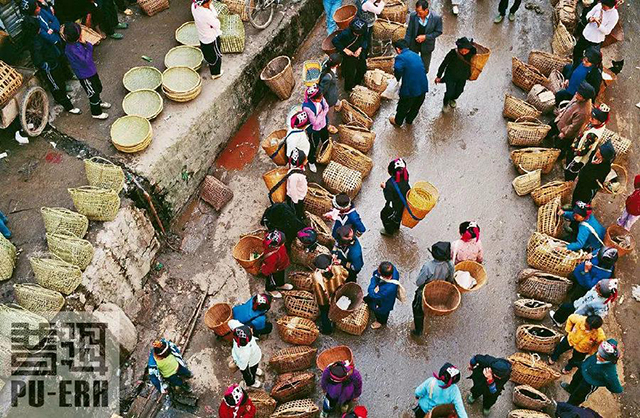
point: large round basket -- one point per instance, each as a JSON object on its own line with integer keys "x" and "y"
{"x": 142, "y": 78}
{"x": 527, "y": 413}
{"x": 39, "y": 300}
{"x": 366, "y": 100}
{"x": 549, "y": 221}
{"x": 551, "y": 255}
{"x": 352, "y": 115}
{"x": 525, "y": 76}
{"x": 187, "y": 34}
{"x": 440, "y": 298}
{"x": 184, "y": 56}
{"x": 301, "y": 280}
{"x": 542, "y": 98}
{"x": 341, "y": 179}
{"x": 563, "y": 41}
{"x": 145, "y": 103}
{"x": 355, "y": 323}
{"x": 296, "y": 330}
{"x": 527, "y": 182}
{"x": 275, "y": 147}
{"x": 479, "y": 60}
{"x": 384, "y": 63}
{"x": 333, "y": 354}
{"x": 344, "y": 15}
{"x": 131, "y": 133}
{"x": 71, "y": 249}
{"x": 301, "y": 408}
{"x": 542, "y": 286}
{"x": 103, "y": 173}
{"x": 248, "y": 253}
{"x": 301, "y": 303}
{"x": 351, "y": 158}
{"x": 476, "y": 270}
{"x": 525, "y": 396}
{"x": 291, "y": 386}
{"x": 527, "y": 132}
{"x": 292, "y": 359}
{"x": 265, "y": 404}
{"x": 421, "y": 198}
{"x": 217, "y": 317}
{"x": 615, "y": 181}
{"x": 357, "y": 137}
{"x": 351, "y": 291}
{"x": 56, "y": 274}
{"x": 529, "y": 159}
{"x": 515, "y": 108}
{"x": 531, "y": 309}
{"x": 386, "y": 30}
{"x": 376, "y": 80}
{"x": 278, "y": 76}
{"x": 549, "y": 191}
{"x": 64, "y": 220}
{"x": 302, "y": 256}
{"x": 327, "y": 44}
{"x": 95, "y": 203}
{"x": 395, "y": 11}
{"x": 276, "y": 183}
{"x": 318, "y": 200}
{"x": 538, "y": 338}
{"x": 181, "y": 84}
{"x": 528, "y": 369}
{"x": 620, "y": 239}
{"x": 546, "y": 62}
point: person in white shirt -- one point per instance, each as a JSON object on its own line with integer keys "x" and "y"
{"x": 601, "y": 21}
{"x": 297, "y": 136}
{"x": 208, "y": 26}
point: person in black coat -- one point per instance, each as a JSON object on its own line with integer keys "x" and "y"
{"x": 423, "y": 30}
{"x": 566, "y": 410}
{"x": 489, "y": 375}
{"x": 328, "y": 81}
{"x": 395, "y": 190}
{"x": 593, "y": 174}
{"x": 455, "y": 70}
{"x": 282, "y": 217}
{"x": 352, "y": 45}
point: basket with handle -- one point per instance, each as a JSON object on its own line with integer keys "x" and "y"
{"x": 355, "y": 295}
{"x": 357, "y": 137}
{"x": 542, "y": 98}
{"x": 15, "y": 314}
{"x": 292, "y": 359}
{"x": 551, "y": 255}
{"x": 7, "y": 258}
{"x": 278, "y": 76}
{"x": 276, "y": 182}
{"x": 615, "y": 181}
{"x": 541, "y": 286}
{"x": 10, "y": 82}
{"x": 333, "y": 354}
{"x": 291, "y": 386}
{"x": 356, "y": 322}
{"x": 440, "y": 298}
{"x": 215, "y": 192}
{"x": 302, "y": 256}
{"x": 549, "y": 221}
{"x": 537, "y": 338}
{"x": 341, "y": 179}
{"x": 376, "y": 80}
{"x": 387, "y": 30}
{"x": 352, "y": 115}
{"x": 311, "y": 72}
{"x": 556, "y": 81}
{"x": 318, "y": 200}
{"x": 301, "y": 280}
{"x": 327, "y": 44}
{"x": 515, "y": 108}
{"x": 527, "y": 132}
{"x": 365, "y": 99}
{"x": 395, "y": 11}
{"x": 527, "y": 182}
{"x": 525, "y": 396}
{"x": 274, "y": 146}
{"x": 566, "y": 12}
{"x": 528, "y": 369}
{"x": 620, "y": 239}
{"x": 301, "y": 303}
{"x": 296, "y": 330}
{"x": 238, "y": 7}
{"x": 563, "y": 41}
{"x": 479, "y": 60}
{"x": 525, "y": 76}
{"x": 103, "y": 173}
{"x": 62, "y": 219}
{"x": 532, "y": 158}
{"x": 248, "y": 253}
{"x": 152, "y": 7}
{"x": 546, "y": 62}
{"x": 217, "y": 317}
{"x": 476, "y": 270}
{"x": 527, "y": 413}
{"x": 384, "y": 63}
{"x": 96, "y": 203}
{"x": 323, "y": 153}
{"x": 548, "y": 191}
{"x": 265, "y": 404}
{"x": 421, "y": 199}
{"x": 344, "y": 15}
{"x": 56, "y": 274}
{"x": 39, "y": 300}
{"x": 323, "y": 230}
{"x": 620, "y": 144}
{"x": 301, "y": 408}
{"x": 531, "y": 309}
{"x": 70, "y": 248}
{"x": 351, "y": 158}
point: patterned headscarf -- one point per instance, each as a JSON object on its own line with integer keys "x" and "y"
{"x": 398, "y": 169}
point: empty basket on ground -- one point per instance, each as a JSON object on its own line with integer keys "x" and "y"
{"x": 7, "y": 258}
{"x": 551, "y": 255}
{"x": 291, "y": 386}
{"x": 184, "y": 56}
{"x": 10, "y": 82}
{"x": 302, "y": 408}
{"x": 356, "y": 322}
{"x": 476, "y": 270}
{"x": 301, "y": 280}
{"x": 56, "y": 274}
{"x": 333, "y": 354}
{"x": 341, "y": 179}
{"x": 318, "y": 200}
{"x": 248, "y": 253}
{"x": 620, "y": 144}
{"x": 479, "y": 60}
{"x": 344, "y": 15}
{"x": 322, "y": 229}
{"x": 538, "y": 338}
{"x": 386, "y": 30}
{"x": 142, "y": 78}
{"x": 296, "y": 330}
{"x": 71, "y": 249}
{"x": 531, "y": 309}
{"x": 546, "y": 62}
{"x": 103, "y": 173}
{"x": 357, "y": 137}
{"x": 528, "y": 159}
{"x": 556, "y": 81}
{"x": 524, "y": 75}
{"x": 291, "y": 359}
{"x": 15, "y": 314}
{"x": 301, "y": 303}
{"x": 311, "y": 70}
{"x": 351, "y": 158}
{"x": 527, "y": 182}
{"x": 217, "y": 317}
{"x": 232, "y": 39}
{"x": 238, "y": 7}
{"x": 278, "y": 76}
{"x": 616, "y": 180}
{"x": 528, "y": 369}
{"x": 542, "y": 98}
{"x": 515, "y": 108}
{"x": 187, "y": 34}
{"x": 395, "y": 11}
{"x": 526, "y": 413}
{"x": 563, "y": 41}
{"x": 151, "y": 7}
{"x": 365, "y": 99}
{"x": 302, "y": 256}
{"x": 265, "y": 404}
{"x": 275, "y": 147}
{"x": 384, "y": 63}
{"x": 421, "y": 198}
{"x": 352, "y": 115}
{"x": 131, "y": 133}
{"x": 527, "y": 397}
{"x": 549, "y": 221}
{"x": 39, "y": 300}
{"x": 566, "y": 12}
{"x": 327, "y": 44}
{"x": 181, "y": 84}
{"x": 548, "y": 191}
{"x": 95, "y": 203}
{"x": 276, "y": 182}
{"x": 215, "y": 192}
{"x": 526, "y": 132}
{"x": 620, "y": 239}
{"x": 376, "y": 80}
{"x": 354, "y": 296}
{"x": 440, "y": 298}
{"x": 62, "y": 219}
{"x": 542, "y": 286}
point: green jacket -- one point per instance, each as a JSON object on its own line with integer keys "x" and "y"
{"x": 603, "y": 374}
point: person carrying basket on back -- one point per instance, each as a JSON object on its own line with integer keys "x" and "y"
{"x": 394, "y": 189}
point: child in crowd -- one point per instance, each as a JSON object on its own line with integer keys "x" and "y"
{"x": 584, "y": 335}
{"x": 469, "y": 246}
{"x": 246, "y": 354}
{"x": 440, "y": 389}
{"x": 317, "y": 109}
{"x": 297, "y": 182}
{"x": 343, "y": 213}
{"x": 631, "y": 211}
{"x": 254, "y": 313}
{"x": 383, "y": 290}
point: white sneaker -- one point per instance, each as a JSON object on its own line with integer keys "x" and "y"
{"x": 257, "y": 384}
{"x": 22, "y": 140}
{"x": 275, "y": 294}
{"x": 101, "y": 116}
{"x": 455, "y": 10}
{"x": 75, "y": 111}
{"x": 259, "y": 372}
{"x": 552, "y": 314}
{"x": 312, "y": 168}
{"x": 286, "y": 286}
{"x": 105, "y": 105}
{"x": 215, "y": 77}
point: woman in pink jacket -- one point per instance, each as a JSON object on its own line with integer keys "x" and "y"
{"x": 317, "y": 109}
{"x": 297, "y": 181}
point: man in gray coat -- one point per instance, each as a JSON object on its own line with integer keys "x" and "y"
{"x": 424, "y": 27}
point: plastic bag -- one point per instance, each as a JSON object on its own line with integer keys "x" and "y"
{"x": 392, "y": 92}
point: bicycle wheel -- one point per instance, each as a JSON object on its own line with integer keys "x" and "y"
{"x": 261, "y": 13}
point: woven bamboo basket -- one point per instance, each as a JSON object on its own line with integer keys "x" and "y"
{"x": 352, "y": 115}
{"x": 7, "y": 258}
{"x": 278, "y": 76}
{"x": 15, "y": 314}
{"x": 357, "y": 137}
{"x": 542, "y": 98}
{"x": 563, "y": 41}
{"x": 103, "y": 173}
{"x": 71, "y": 249}
{"x": 620, "y": 144}
{"x": 527, "y": 182}
{"x": 39, "y": 300}
{"x": 479, "y": 60}
{"x": 296, "y": 330}
{"x": 152, "y": 7}
{"x": 311, "y": 71}
{"x": 144, "y": 103}
{"x": 323, "y": 230}
{"x": 221, "y": 8}
{"x": 238, "y": 7}
{"x": 301, "y": 303}
{"x": 546, "y": 62}
{"x": 547, "y": 192}
{"x": 187, "y": 34}
{"x": 527, "y": 132}
{"x": 351, "y": 158}
{"x": 421, "y": 198}
{"x": 376, "y": 80}
{"x": 549, "y": 221}
{"x": 613, "y": 237}
{"x": 274, "y": 146}
{"x": 556, "y": 81}
{"x": 291, "y": 386}
{"x": 323, "y": 155}
{"x": 301, "y": 408}
{"x": 265, "y": 404}
{"x": 181, "y": 84}
{"x": 386, "y": 30}
{"x": 184, "y": 56}
{"x": 292, "y": 359}
{"x": 232, "y": 40}
{"x": 384, "y": 63}
{"x": 395, "y": 11}
{"x": 142, "y": 78}
{"x": 476, "y": 270}
{"x": 543, "y": 286}
{"x": 525, "y": 396}
{"x": 617, "y": 184}
{"x": 341, "y": 179}
{"x": 525, "y": 76}
{"x": 248, "y": 253}
{"x": 88, "y": 35}
{"x": 131, "y": 133}
{"x": 356, "y": 322}
{"x": 217, "y": 317}
{"x": 318, "y": 200}
{"x": 366, "y": 100}
{"x": 440, "y": 298}
{"x": 301, "y": 280}
{"x": 95, "y": 203}
{"x": 515, "y": 108}
{"x": 526, "y": 413}
{"x": 550, "y": 254}
{"x": 276, "y": 184}
{"x": 531, "y": 309}
{"x": 344, "y": 15}
{"x": 62, "y": 219}
{"x": 303, "y": 257}
{"x": 10, "y": 82}
{"x": 215, "y": 192}
{"x": 538, "y": 338}
{"x": 354, "y": 293}
{"x": 527, "y": 369}
{"x": 529, "y": 159}
{"x": 327, "y": 44}
{"x": 566, "y": 12}
{"x": 333, "y": 354}
{"x": 56, "y": 274}
{"x": 7, "y": 364}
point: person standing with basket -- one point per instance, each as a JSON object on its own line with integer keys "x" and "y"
{"x": 348, "y": 252}
{"x": 316, "y": 108}
{"x": 384, "y": 289}
{"x": 326, "y": 279}
{"x": 395, "y": 190}
{"x": 342, "y": 385}
{"x": 209, "y": 31}
{"x": 440, "y": 389}
{"x": 274, "y": 262}
{"x": 455, "y": 70}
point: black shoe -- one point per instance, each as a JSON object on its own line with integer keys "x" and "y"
{"x": 416, "y": 333}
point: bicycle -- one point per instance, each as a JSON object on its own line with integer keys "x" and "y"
{"x": 261, "y": 12}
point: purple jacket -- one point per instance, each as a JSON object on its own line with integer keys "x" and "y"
{"x": 80, "y": 56}
{"x": 317, "y": 120}
{"x": 343, "y": 392}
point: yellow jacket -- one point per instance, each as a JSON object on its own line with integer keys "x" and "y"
{"x": 582, "y": 339}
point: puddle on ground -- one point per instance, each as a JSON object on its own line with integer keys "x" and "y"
{"x": 242, "y": 147}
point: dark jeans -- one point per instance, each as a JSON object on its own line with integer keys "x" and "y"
{"x": 578, "y": 50}
{"x": 488, "y": 398}
{"x": 55, "y": 79}
{"x": 316, "y": 139}
{"x": 454, "y": 90}
{"x": 268, "y": 327}
{"x": 562, "y": 347}
{"x": 419, "y": 413}
{"x": 106, "y": 16}
{"x": 579, "y": 389}
{"x": 563, "y": 95}
{"x": 93, "y": 87}
{"x": 418, "y": 312}
{"x": 502, "y": 7}
{"x": 390, "y": 219}
{"x": 408, "y": 108}
{"x": 353, "y": 69}
{"x": 326, "y": 326}
{"x": 274, "y": 280}
{"x": 249, "y": 375}
{"x": 380, "y": 317}
{"x": 352, "y": 277}
{"x": 213, "y": 55}
{"x": 563, "y": 312}
{"x": 177, "y": 380}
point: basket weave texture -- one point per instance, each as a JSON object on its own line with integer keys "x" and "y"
{"x": 549, "y": 221}
{"x": 142, "y": 78}
{"x": 301, "y": 280}
{"x": 550, "y": 255}
{"x": 56, "y": 275}
{"x": 273, "y": 178}
{"x": 527, "y": 132}
{"x": 144, "y": 103}
{"x": 333, "y": 354}
{"x": 291, "y": 386}
{"x": 344, "y": 15}
{"x": 527, "y": 182}
{"x": 515, "y": 108}
{"x": 215, "y": 192}
{"x": 296, "y": 330}
{"x": 71, "y": 249}
{"x": 299, "y": 254}
{"x": 547, "y": 192}
{"x": 352, "y": 115}
{"x": 184, "y": 56}
{"x": 354, "y": 293}
{"x": 479, "y": 60}
{"x": 302, "y": 408}
{"x": 341, "y": 179}
{"x": 525, "y": 76}
{"x": 531, "y": 309}
{"x": 322, "y": 229}
{"x": 10, "y": 82}
{"x": 386, "y": 30}
{"x": 357, "y": 137}
{"x": 238, "y": 7}
{"x": 292, "y": 359}
{"x": 525, "y": 396}
{"x": 365, "y": 99}
{"x": 395, "y": 11}
{"x": 274, "y": 147}
{"x": 351, "y": 158}
{"x": 244, "y": 253}
{"x": 440, "y": 298}
{"x": 376, "y": 80}
{"x": 95, "y": 203}
{"x": 15, "y": 314}
{"x": 131, "y": 133}
{"x": 265, "y": 404}
{"x": 537, "y": 338}
{"x": 476, "y": 270}
{"x": 620, "y": 144}
{"x": 356, "y": 322}
{"x": 563, "y": 41}
{"x": 104, "y": 174}
{"x": 546, "y": 62}
{"x": 384, "y": 63}
{"x": 318, "y": 200}
{"x": 64, "y": 220}
{"x": 528, "y": 369}
{"x": 7, "y": 258}
{"x": 301, "y": 303}
{"x": 232, "y": 39}
{"x": 556, "y": 81}
{"x": 614, "y": 231}
{"x": 152, "y": 7}
{"x": 529, "y": 159}
{"x": 217, "y": 317}
{"x": 39, "y": 300}
{"x": 543, "y": 286}
{"x": 527, "y": 413}
{"x": 542, "y": 98}
{"x": 278, "y": 76}
{"x": 187, "y": 34}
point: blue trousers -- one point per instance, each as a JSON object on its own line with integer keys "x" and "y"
{"x": 3, "y": 228}
{"x": 330, "y": 7}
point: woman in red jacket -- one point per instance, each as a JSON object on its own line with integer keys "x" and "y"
{"x": 274, "y": 262}
{"x": 236, "y": 404}
{"x": 631, "y": 211}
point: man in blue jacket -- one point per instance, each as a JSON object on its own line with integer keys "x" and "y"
{"x": 254, "y": 313}
{"x": 382, "y": 293}
{"x": 409, "y": 71}
{"x": 590, "y": 231}
{"x": 347, "y": 252}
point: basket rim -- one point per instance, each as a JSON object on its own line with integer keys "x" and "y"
{"x": 445, "y": 284}
{"x": 147, "y": 93}
{"x": 187, "y": 71}
{"x": 192, "y": 48}
{"x": 181, "y": 28}
{"x": 124, "y": 119}
{"x": 279, "y": 57}
{"x": 134, "y": 70}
